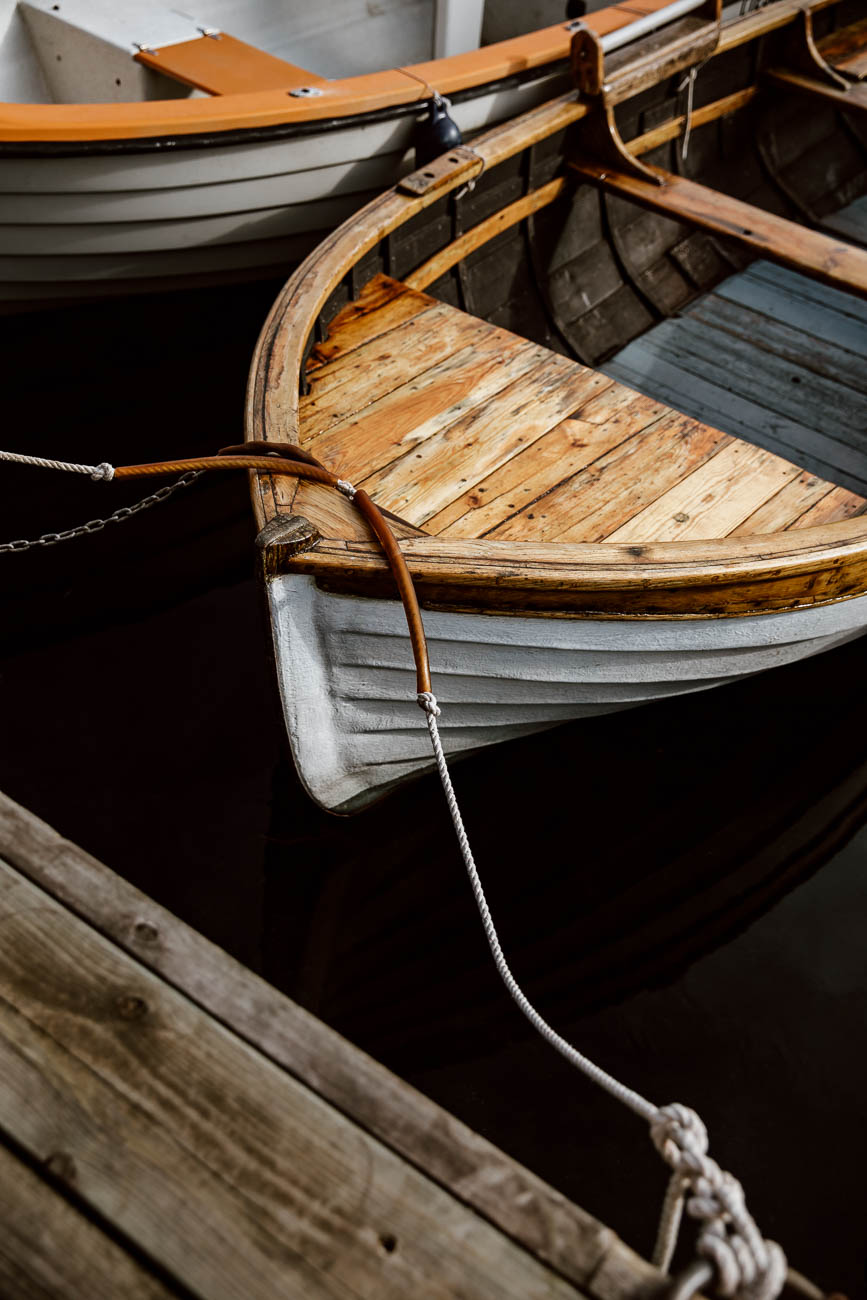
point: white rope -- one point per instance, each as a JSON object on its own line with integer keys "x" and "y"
{"x": 747, "y": 1267}
{"x": 102, "y": 471}
{"x": 688, "y": 84}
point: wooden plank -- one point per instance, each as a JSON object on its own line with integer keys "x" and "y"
{"x": 240, "y": 1179}
{"x": 589, "y": 506}
{"x": 853, "y": 100}
{"x": 846, "y": 49}
{"x": 836, "y": 506}
{"x": 712, "y": 500}
{"x": 425, "y": 480}
{"x": 813, "y": 254}
{"x": 402, "y": 421}
{"x": 428, "y": 1137}
{"x": 384, "y": 302}
{"x": 48, "y": 1248}
{"x": 220, "y": 64}
{"x": 684, "y": 384}
{"x": 441, "y": 335}
{"x": 811, "y": 353}
{"x": 786, "y": 507}
{"x": 601, "y": 423}
{"x": 363, "y": 364}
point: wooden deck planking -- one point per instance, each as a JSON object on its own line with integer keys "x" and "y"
{"x": 713, "y": 499}
{"x": 178, "y": 1096}
{"x": 773, "y": 358}
{"x": 638, "y": 472}
{"x": 381, "y": 305}
{"x": 838, "y": 504}
{"x": 49, "y": 1249}
{"x": 412, "y": 412}
{"x": 424, "y": 481}
{"x": 466, "y": 430}
{"x": 605, "y": 420}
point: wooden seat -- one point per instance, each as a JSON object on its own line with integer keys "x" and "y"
{"x": 846, "y": 50}
{"x": 222, "y": 65}
{"x": 828, "y": 260}
{"x": 467, "y": 431}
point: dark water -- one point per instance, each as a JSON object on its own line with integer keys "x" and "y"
{"x": 681, "y": 889}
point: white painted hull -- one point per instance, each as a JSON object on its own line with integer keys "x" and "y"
{"x": 348, "y": 683}
{"x": 71, "y": 226}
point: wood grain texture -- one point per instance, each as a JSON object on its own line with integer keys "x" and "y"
{"x": 240, "y": 1179}
{"x": 829, "y": 562}
{"x": 813, "y": 254}
{"x": 424, "y": 1135}
{"x": 713, "y": 499}
{"x": 50, "y": 1251}
{"x": 846, "y": 49}
{"x": 851, "y": 100}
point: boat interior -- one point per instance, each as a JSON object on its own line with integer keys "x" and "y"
{"x": 645, "y": 324}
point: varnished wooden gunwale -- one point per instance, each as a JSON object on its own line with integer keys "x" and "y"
{"x": 732, "y": 576}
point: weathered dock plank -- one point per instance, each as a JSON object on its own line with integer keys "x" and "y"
{"x": 48, "y": 1248}
{"x": 233, "y": 1139}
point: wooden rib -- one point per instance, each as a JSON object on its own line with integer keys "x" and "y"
{"x": 424, "y": 481}
{"x": 846, "y": 49}
{"x": 700, "y": 117}
{"x": 827, "y": 260}
{"x": 448, "y": 257}
{"x": 853, "y": 100}
{"x": 595, "y": 501}
{"x": 223, "y": 65}
{"x": 404, "y": 418}
{"x": 712, "y": 500}
{"x": 840, "y": 504}
{"x": 609, "y": 416}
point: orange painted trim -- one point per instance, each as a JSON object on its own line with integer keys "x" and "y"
{"x": 345, "y": 98}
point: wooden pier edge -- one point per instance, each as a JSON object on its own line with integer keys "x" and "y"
{"x": 547, "y": 1245}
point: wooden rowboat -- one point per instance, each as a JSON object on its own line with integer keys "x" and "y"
{"x": 579, "y": 546}
{"x": 176, "y": 153}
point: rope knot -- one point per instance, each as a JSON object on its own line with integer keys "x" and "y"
{"x": 678, "y": 1133}
{"x": 103, "y": 471}
{"x": 747, "y": 1266}
{"x": 346, "y": 488}
{"x": 428, "y": 701}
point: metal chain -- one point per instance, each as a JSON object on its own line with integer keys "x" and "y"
{"x": 96, "y": 525}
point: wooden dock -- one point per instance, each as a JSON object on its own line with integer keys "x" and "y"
{"x": 171, "y": 1125}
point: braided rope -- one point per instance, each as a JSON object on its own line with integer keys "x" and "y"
{"x": 102, "y": 471}
{"x": 747, "y": 1266}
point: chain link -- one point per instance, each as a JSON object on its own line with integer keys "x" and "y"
{"x": 96, "y": 525}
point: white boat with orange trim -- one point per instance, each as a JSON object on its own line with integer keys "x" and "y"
{"x": 145, "y": 148}
{"x": 606, "y": 369}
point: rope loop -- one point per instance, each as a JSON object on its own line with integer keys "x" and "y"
{"x": 747, "y": 1266}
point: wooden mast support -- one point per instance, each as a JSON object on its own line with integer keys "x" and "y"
{"x": 830, "y": 261}
{"x": 170, "y": 1124}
